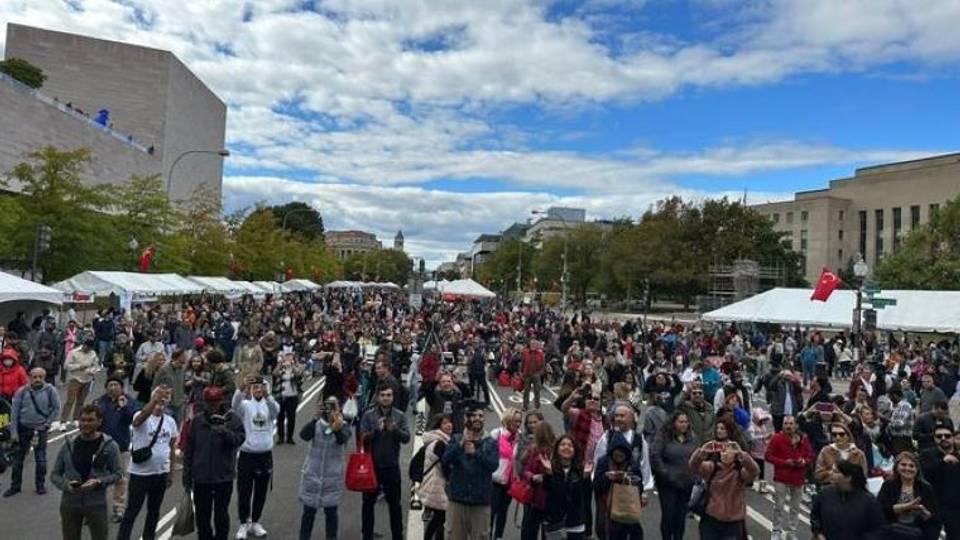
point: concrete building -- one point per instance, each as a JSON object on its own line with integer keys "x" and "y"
{"x": 157, "y": 108}
{"x": 482, "y": 249}
{"x": 868, "y": 213}
{"x": 398, "y": 241}
{"x": 349, "y": 243}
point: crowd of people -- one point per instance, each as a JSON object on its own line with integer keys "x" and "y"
{"x": 697, "y": 418}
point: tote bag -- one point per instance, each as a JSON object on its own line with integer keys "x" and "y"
{"x": 360, "y": 474}
{"x": 625, "y": 504}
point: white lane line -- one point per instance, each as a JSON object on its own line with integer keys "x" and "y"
{"x": 804, "y": 511}
{"x": 307, "y": 398}
{"x": 496, "y": 397}
{"x": 759, "y": 518}
{"x": 415, "y": 517}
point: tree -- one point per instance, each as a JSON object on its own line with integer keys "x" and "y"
{"x": 929, "y": 257}
{"x": 500, "y": 270}
{"x": 260, "y": 246}
{"x": 379, "y": 265}
{"x": 303, "y": 219}
{"x": 142, "y": 211}
{"x": 23, "y": 71}
{"x": 202, "y": 236}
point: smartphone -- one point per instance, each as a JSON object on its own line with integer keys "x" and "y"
{"x": 714, "y": 447}
{"x": 824, "y": 407}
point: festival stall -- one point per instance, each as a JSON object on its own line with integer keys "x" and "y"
{"x": 219, "y": 285}
{"x": 17, "y": 294}
{"x": 460, "y": 288}
{"x": 129, "y": 287}
{"x": 299, "y": 285}
{"x": 271, "y": 287}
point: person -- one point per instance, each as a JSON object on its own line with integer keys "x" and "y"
{"x": 383, "y": 429}
{"x": 699, "y": 412}
{"x": 669, "y": 459}
{"x": 507, "y": 437}
{"x": 85, "y": 467}
{"x": 149, "y": 478}
{"x": 118, "y": 410}
{"x": 13, "y": 375}
{"x": 841, "y": 449}
{"x": 900, "y": 426}
{"x": 148, "y": 348}
{"x": 619, "y": 465}
{"x": 760, "y": 432}
{"x": 531, "y": 369}
{"x": 209, "y": 463}
{"x": 258, "y": 411}
{"x": 563, "y": 477}
{"x": 587, "y": 426}
{"x": 531, "y": 470}
{"x": 443, "y": 397}
{"x": 844, "y": 509}
{"x": 928, "y": 422}
{"x": 728, "y": 469}
{"x": 783, "y": 393}
{"x": 432, "y": 487}
{"x": 80, "y": 367}
{"x": 909, "y": 501}
{"x": 468, "y": 463}
{"x": 46, "y": 359}
{"x": 790, "y": 454}
{"x": 143, "y": 382}
{"x": 930, "y": 393}
{"x": 941, "y": 465}
{"x": 287, "y": 388}
{"x": 172, "y": 375}
{"x": 810, "y": 356}
{"x": 322, "y": 478}
{"x": 34, "y": 408}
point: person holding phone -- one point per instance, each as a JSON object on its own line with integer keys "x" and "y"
{"x": 258, "y": 411}
{"x": 322, "y": 480}
{"x": 382, "y": 430}
{"x": 729, "y": 469}
{"x": 841, "y": 449}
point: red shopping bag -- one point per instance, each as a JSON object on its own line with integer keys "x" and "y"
{"x": 517, "y": 383}
{"x": 360, "y": 474}
{"x": 521, "y": 491}
{"x": 503, "y": 379}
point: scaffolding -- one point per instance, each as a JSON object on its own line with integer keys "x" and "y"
{"x": 742, "y": 279}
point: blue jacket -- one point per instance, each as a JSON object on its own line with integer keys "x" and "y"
{"x": 470, "y": 478}
{"x": 116, "y": 421}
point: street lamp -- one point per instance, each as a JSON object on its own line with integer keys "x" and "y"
{"x": 563, "y": 276}
{"x": 222, "y": 153}
{"x": 860, "y": 269}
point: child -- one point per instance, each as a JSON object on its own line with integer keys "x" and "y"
{"x": 761, "y": 429}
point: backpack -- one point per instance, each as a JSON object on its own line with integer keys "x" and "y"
{"x": 415, "y": 469}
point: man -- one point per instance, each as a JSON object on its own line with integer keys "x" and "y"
{"x": 699, "y": 412}
{"x": 47, "y": 359}
{"x": 150, "y": 478}
{"x": 443, "y": 397}
{"x": 105, "y": 330}
{"x": 810, "y": 356}
{"x": 624, "y": 425}
{"x": 209, "y": 464}
{"x": 941, "y": 467}
{"x": 930, "y": 393}
{"x": 383, "y": 429}
{"x": 790, "y": 453}
{"x": 118, "y": 410}
{"x": 900, "y": 427}
{"x": 85, "y": 467}
{"x": 35, "y": 406}
{"x": 80, "y": 366}
{"x": 385, "y": 377}
{"x": 468, "y": 463}
{"x": 149, "y": 347}
{"x": 927, "y": 423}
{"x": 172, "y": 375}
{"x": 784, "y": 394}
{"x": 531, "y": 369}
{"x": 258, "y": 411}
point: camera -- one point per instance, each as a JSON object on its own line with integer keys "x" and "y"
{"x": 218, "y": 419}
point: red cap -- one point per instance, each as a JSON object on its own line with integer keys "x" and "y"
{"x": 213, "y": 394}
{"x": 10, "y": 353}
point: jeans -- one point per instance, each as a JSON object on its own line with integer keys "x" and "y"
{"x": 673, "y": 510}
{"x": 151, "y": 487}
{"x": 212, "y": 499}
{"x": 388, "y": 479}
{"x": 533, "y": 518}
{"x": 435, "y": 525}
{"x": 287, "y": 418}
{"x": 72, "y": 520}
{"x": 25, "y": 435}
{"x": 76, "y": 395}
{"x": 499, "y": 508}
{"x": 104, "y": 349}
{"x": 809, "y": 372}
{"x": 253, "y": 479}
{"x": 478, "y": 384}
{"x": 310, "y": 514}
{"x": 531, "y": 382}
{"x": 121, "y": 486}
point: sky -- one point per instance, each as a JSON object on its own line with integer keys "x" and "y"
{"x": 450, "y": 118}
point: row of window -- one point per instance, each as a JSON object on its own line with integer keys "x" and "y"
{"x": 897, "y": 218}
{"x": 804, "y": 216}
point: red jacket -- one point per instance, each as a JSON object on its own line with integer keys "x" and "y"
{"x": 780, "y": 449}
{"x": 11, "y": 379}
{"x": 532, "y": 362}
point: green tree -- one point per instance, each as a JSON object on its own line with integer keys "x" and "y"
{"x": 142, "y": 211}
{"x": 379, "y": 265}
{"x": 929, "y": 257}
{"x": 12, "y": 217}
{"x": 203, "y": 237}
{"x": 260, "y": 246}
{"x": 303, "y": 219}
{"x": 500, "y": 270}
{"x": 23, "y": 71}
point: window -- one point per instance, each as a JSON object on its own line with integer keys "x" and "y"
{"x": 840, "y": 256}
{"x": 863, "y": 233}
{"x": 776, "y": 217}
{"x": 840, "y": 235}
{"x": 840, "y": 215}
{"x": 804, "y": 215}
{"x": 897, "y": 228}
{"x": 879, "y": 247}
{"x": 789, "y": 218}
{"x": 878, "y": 242}
{"x": 934, "y": 208}
{"x": 803, "y": 241}
{"x": 878, "y": 220}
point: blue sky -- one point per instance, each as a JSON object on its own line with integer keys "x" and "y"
{"x": 457, "y": 118}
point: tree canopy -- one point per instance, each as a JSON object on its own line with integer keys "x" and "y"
{"x": 23, "y": 71}
{"x": 301, "y": 218}
{"x": 379, "y": 265}
{"x": 929, "y": 257}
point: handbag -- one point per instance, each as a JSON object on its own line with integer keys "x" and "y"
{"x": 521, "y": 491}
{"x": 144, "y": 454}
{"x": 183, "y": 525}
{"x": 700, "y": 496}
{"x": 360, "y": 474}
{"x": 350, "y": 409}
{"x": 517, "y": 383}
{"x": 625, "y": 503}
{"x": 503, "y": 379}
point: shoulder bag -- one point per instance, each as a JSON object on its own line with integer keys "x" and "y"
{"x": 144, "y": 454}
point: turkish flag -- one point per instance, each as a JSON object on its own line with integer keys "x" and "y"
{"x": 827, "y": 283}
{"x": 146, "y": 258}
{"x": 288, "y": 273}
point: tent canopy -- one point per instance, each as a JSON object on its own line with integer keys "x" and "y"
{"x": 14, "y": 289}
{"x": 466, "y": 288}
{"x": 129, "y": 283}
{"x": 271, "y": 287}
{"x": 248, "y": 287}
{"x": 220, "y": 285}
{"x": 341, "y": 284}
{"x": 916, "y": 311}
{"x": 296, "y": 285}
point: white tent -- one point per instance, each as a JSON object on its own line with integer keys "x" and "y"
{"x": 14, "y": 289}
{"x": 271, "y": 287}
{"x": 467, "y": 288}
{"x": 341, "y": 284}
{"x": 916, "y": 311}
{"x": 251, "y": 289}
{"x": 431, "y": 285}
{"x": 136, "y": 286}
{"x": 219, "y": 285}
{"x": 297, "y": 285}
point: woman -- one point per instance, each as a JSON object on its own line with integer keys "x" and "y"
{"x": 507, "y": 437}
{"x": 728, "y": 469}
{"x": 844, "y": 509}
{"x": 322, "y": 479}
{"x": 432, "y": 489}
{"x": 909, "y": 502}
{"x": 287, "y": 388}
{"x": 669, "y": 458}
{"x": 618, "y": 466}
{"x": 143, "y": 384}
{"x": 531, "y": 470}
{"x": 869, "y": 437}
{"x": 563, "y": 477}
{"x": 196, "y": 379}
{"x": 841, "y": 449}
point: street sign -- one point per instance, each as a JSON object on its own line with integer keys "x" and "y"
{"x": 880, "y": 303}
{"x": 871, "y": 289}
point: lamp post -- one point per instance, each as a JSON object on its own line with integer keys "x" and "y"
{"x": 860, "y": 269}
{"x": 222, "y": 153}
{"x": 563, "y": 276}
{"x": 132, "y": 245}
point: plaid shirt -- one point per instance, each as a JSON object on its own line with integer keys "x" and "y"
{"x": 901, "y": 420}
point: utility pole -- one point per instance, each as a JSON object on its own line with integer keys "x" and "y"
{"x": 41, "y": 243}
{"x": 519, "y": 269}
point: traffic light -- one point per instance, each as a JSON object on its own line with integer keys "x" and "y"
{"x": 869, "y": 320}
{"x": 43, "y": 237}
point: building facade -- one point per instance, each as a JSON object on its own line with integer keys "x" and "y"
{"x": 349, "y": 243}
{"x": 158, "y": 109}
{"x": 869, "y": 213}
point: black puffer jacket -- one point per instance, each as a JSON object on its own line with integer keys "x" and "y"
{"x": 211, "y": 454}
{"x": 564, "y": 495}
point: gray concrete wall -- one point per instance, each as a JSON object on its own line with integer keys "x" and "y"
{"x": 28, "y": 124}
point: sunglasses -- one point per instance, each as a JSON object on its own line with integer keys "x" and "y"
{"x": 943, "y": 436}
{"x": 839, "y": 434}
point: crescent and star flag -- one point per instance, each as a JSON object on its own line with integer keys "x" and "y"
{"x": 827, "y": 283}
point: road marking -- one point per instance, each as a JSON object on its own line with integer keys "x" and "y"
{"x": 305, "y": 400}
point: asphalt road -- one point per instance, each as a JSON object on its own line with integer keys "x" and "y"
{"x": 29, "y": 516}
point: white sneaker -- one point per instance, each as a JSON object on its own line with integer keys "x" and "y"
{"x": 242, "y": 531}
{"x": 257, "y": 529}
{"x": 55, "y": 425}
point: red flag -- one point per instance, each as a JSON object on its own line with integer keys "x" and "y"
{"x": 146, "y": 258}
{"x": 288, "y": 273}
{"x": 827, "y": 283}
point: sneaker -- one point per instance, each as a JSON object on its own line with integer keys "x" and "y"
{"x": 257, "y": 529}
{"x": 11, "y": 491}
{"x": 55, "y": 425}
{"x": 242, "y": 531}
{"x": 117, "y": 517}
{"x": 41, "y": 490}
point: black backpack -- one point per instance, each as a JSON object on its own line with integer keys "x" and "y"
{"x": 415, "y": 470}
